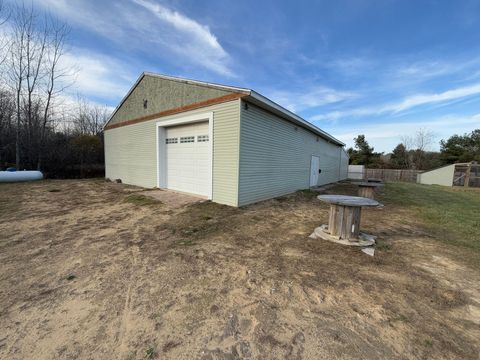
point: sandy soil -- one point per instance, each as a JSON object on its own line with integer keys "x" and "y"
{"x": 88, "y": 273}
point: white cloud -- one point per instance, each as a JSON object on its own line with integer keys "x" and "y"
{"x": 351, "y": 66}
{"x": 426, "y": 69}
{"x": 66, "y": 105}
{"x": 83, "y": 13}
{"x": 407, "y": 103}
{"x": 198, "y": 42}
{"x": 148, "y": 27}
{"x": 97, "y": 75}
{"x": 418, "y": 71}
{"x": 384, "y": 136}
{"x": 183, "y": 23}
{"x": 445, "y": 96}
{"x": 306, "y": 98}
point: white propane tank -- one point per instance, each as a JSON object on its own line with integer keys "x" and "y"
{"x": 14, "y": 176}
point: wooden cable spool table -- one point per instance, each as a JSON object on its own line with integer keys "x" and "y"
{"x": 344, "y": 220}
{"x": 367, "y": 189}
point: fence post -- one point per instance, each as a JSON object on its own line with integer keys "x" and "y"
{"x": 467, "y": 176}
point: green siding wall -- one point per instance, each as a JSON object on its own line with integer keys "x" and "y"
{"x": 275, "y": 156}
{"x": 130, "y": 154}
{"x": 130, "y": 151}
{"x": 344, "y": 159}
{"x": 162, "y": 94}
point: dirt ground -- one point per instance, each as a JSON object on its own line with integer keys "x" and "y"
{"x": 92, "y": 270}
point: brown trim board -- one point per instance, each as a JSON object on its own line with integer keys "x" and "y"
{"x": 177, "y": 110}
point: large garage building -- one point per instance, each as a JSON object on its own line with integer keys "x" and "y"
{"x": 228, "y": 144}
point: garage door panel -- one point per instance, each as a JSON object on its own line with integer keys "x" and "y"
{"x": 188, "y": 160}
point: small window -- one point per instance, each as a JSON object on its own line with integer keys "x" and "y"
{"x": 187, "y": 139}
{"x": 202, "y": 138}
{"x": 171, "y": 141}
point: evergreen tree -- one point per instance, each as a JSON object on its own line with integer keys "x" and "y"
{"x": 461, "y": 148}
{"x": 400, "y": 158}
{"x": 363, "y": 154}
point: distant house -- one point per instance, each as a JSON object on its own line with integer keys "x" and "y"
{"x": 228, "y": 144}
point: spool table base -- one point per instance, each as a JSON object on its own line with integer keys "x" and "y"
{"x": 322, "y": 232}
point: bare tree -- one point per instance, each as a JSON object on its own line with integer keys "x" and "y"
{"x": 21, "y": 24}
{"x": 38, "y": 126}
{"x": 35, "y": 51}
{"x": 89, "y": 118}
{"x": 4, "y": 13}
{"x": 55, "y": 75}
{"x": 4, "y": 16}
{"x": 7, "y": 111}
{"x": 416, "y": 146}
{"x": 423, "y": 139}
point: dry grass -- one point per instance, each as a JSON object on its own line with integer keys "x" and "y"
{"x": 450, "y": 214}
{"x": 85, "y": 273}
{"x": 141, "y": 200}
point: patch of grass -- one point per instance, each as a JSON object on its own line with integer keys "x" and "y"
{"x": 309, "y": 193}
{"x": 282, "y": 199}
{"x": 187, "y": 242}
{"x": 306, "y": 192}
{"x": 199, "y": 222}
{"x": 150, "y": 353}
{"x": 383, "y": 246}
{"x": 428, "y": 343}
{"x": 400, "y": 317}
{"x": 190, "y": 231}
{"x": 141, "y": 200}
{"x": 452, "y": 216}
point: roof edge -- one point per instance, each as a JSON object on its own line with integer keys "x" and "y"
{"x": 255, "y": 95}
{"x": 295, "y": 117}
{"x": 177, "y": 79}
{"x": 123, "y": 100}
{"x": 201, "y": 83}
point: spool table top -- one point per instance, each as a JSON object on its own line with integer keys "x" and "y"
{"x": 344, "y": 200}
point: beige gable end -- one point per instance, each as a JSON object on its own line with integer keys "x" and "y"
{"x": 164, "y": 97}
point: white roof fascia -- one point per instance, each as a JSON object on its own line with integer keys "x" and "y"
{"x": 297, "y": 118}
{"x": 202, "y": 83}
{"x": 187, "y": 81}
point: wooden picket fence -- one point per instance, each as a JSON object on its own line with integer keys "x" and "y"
{"x": 392, "y": 174}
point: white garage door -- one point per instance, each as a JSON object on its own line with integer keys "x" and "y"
{"x": 188, "y": 162}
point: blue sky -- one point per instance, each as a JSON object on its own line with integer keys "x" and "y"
{"x": 381, "y": 68}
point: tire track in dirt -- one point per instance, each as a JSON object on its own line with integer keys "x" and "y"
{"x": 125, "y": 321}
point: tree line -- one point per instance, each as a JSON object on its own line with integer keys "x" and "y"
{"x": 412, "y": 152}
{"x": 41, "y": 126}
